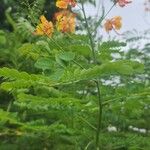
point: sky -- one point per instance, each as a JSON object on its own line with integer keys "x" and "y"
{"x": 133, "y": 15}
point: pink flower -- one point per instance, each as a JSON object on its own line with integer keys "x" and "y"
{"x": 123, "y": 3}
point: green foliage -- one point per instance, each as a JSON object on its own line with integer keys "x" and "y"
{"x": 2, "y": 38}
{"x": 44, "y": 95}
{"x": 48, "y": 90}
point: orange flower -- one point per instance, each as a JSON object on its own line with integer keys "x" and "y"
{"x": 114, "y": 23}
{"x": 44, "y": 28}
{"x": 64, "y": 3}
{"x": 65, "y": 21}
{"x": 108, "y": 25}
{"x": 122, "y": 3}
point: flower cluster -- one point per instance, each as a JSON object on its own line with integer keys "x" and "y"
{"x": 115, "y": 23}
{"x": 65, "y": 20}
{"x": 44, "y": 28}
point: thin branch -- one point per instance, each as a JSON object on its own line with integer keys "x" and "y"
{"x": 97, "y": 80}
{"x": 89, "y": 34}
